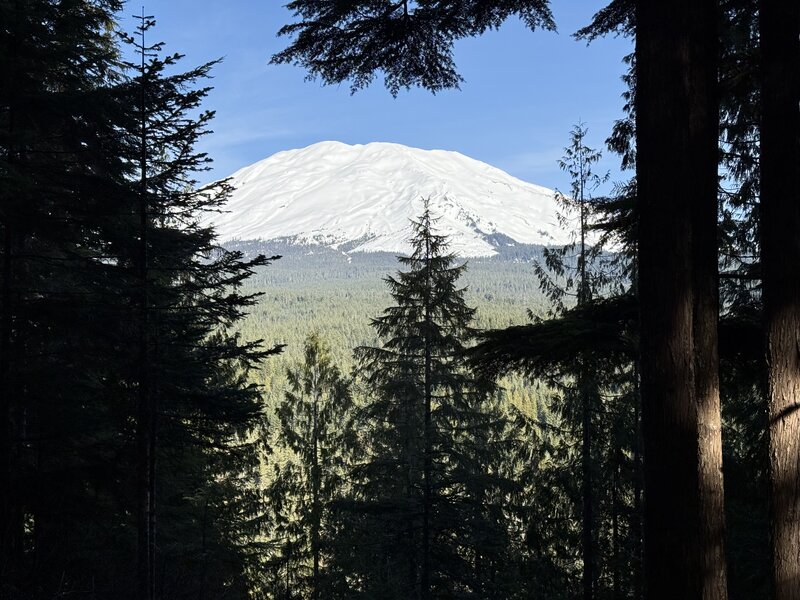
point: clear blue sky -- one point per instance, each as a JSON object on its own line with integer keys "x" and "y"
{"x": 523, "y": 90}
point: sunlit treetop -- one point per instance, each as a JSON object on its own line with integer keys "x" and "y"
{"x": 409, "y": 41}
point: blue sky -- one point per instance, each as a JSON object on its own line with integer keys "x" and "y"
{"x": 522, "y": 94}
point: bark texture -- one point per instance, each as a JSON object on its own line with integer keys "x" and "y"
{"x": 677, "y": 125}
{"x": 780, "y": 222}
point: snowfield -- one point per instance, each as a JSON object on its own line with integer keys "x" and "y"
{"x": 361, "y": 198}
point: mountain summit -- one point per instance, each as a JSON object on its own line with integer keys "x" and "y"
{"x": 361, "y": 198}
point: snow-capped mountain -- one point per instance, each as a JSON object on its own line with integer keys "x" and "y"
{"x": 362, "y": 197}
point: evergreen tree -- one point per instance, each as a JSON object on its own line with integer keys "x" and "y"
{"x": 57, "y": 155}
{"x": 677, "y": 118}
{"x": 314, "y": 428}
{"x": 577, "y": 271}
{"x": 428, "y": 491}
{"x": 677, "y": 122}
{"x": 196, "y": 414}
{"x": 72, "y": 280}
{"x": 577, "y": 265}
{"x": 742, "y": 403}
{"x": 593, "y": 338}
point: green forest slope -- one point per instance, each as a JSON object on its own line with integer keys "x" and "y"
{"x": 317, "y": 289}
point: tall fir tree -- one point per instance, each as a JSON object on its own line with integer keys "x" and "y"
{"x": 315, "y": 431}
{"x": 570, "y": 269}
{"x": 428, "y": 490}
{"x": 677, "y": 122}
{"x": 196, "y": 414}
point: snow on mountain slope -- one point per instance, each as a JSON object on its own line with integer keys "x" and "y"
{"x": 333, "y": 194}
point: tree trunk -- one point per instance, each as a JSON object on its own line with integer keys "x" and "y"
{"x": 144, "y": 444}
{"x": 780, "y": 237}
{"x": 616, "y": 457}
{"x": 411, "y": 555}
{"x": 636, "y": 518}
{"x": 11, "y": 518}
{"x": 145, "y": 426}
{"x": 586, "y": 389}
{"x": 315, "y": 487}
{"x": 9, "y": 521}
{"x": 587, "y": 516}
{"x": 677, "y": 126}
{"x": 428, "y": 462}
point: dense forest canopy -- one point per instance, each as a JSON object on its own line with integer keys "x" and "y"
{"x": 615, "y": 418}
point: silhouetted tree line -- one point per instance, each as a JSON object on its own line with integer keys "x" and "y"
{"x": 127, "y": 415}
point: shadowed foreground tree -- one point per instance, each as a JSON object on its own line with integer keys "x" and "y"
{"x": 71, "y": 199}
{"x": 780, "y": 238}
{"x": 743, "y": 401}
{"x": 677, "y": 120}
{"x": 195, "y": 409}
{"x": 57, "y": 158}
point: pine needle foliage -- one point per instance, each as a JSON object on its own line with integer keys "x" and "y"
{"x": 579, "y": 270}
{"x": 409, "y": 41}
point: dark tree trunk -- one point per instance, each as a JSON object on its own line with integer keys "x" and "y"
{"x": 427, "y": 434}
{"x": 587, "y": 516}
{"x": 616, "y": 458}
{"x": 704, "y": 121}
{"x": 145, "y": 426}
{"x": 586, "y": 388}
{"x": 11, "y": 525}
{"x": 636, "y": 518}
{"x": 144, "y": 444}
{"x": 316, "y": 520}
{"x": 780, "y": 235}
{"x": 411, "y": 555}
{"x": 11, "y": 520}
{"x": 677, "y": 126}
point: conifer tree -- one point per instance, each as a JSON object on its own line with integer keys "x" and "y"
{"x": 314, "y": 428}
{"x": 677, "y": 123}
{"x": 579, "y": 266}
{"x": 57, "y": 153}
{"x": 676, "y": 110}
{"x": 195, "y": 409}
{"x": 70, "y": 142}
{"x": 428, "y": 490}
{"x": 576, "y": 272}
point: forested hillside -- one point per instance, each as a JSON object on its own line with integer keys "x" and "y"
{"x": 313, "y": 289}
